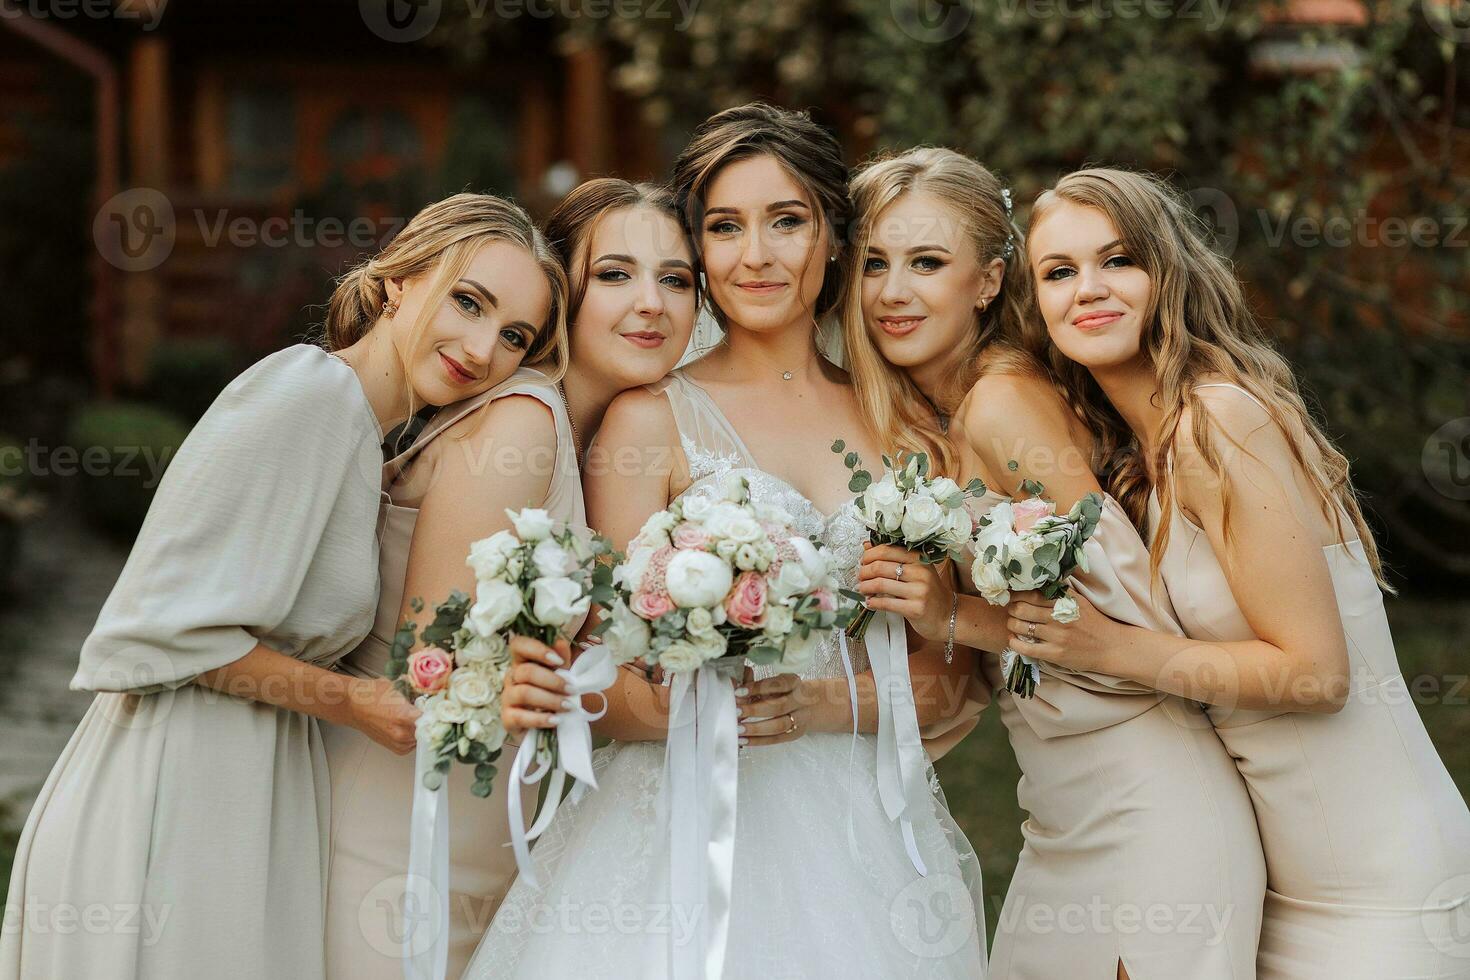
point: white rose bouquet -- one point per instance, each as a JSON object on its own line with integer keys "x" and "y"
{"x": 535, "y": 581}
{"x": 1023, "y": 545}
{"x": 909, "y": 509}
{"x": 721, "y": 577}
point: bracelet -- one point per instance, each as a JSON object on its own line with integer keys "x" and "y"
{"x": 954, "y": 608}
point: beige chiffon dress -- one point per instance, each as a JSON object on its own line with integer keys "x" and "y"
{"x": 372, "y": 788}
{"x": 1140, "y": 846}
{"x": 183, "y": 832}
{"x": 1367, "y": 839}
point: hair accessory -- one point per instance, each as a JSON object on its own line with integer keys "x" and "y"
{"x": 1005, "y": 194}
{"x": 1010, "y": 246}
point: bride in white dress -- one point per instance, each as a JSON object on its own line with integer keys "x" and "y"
{"x": 762, "y": 189}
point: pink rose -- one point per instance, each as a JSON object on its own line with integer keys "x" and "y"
{"x": 651, "y": 605}
{"x": 688, "y": 535}
{"x": 747, "y": 601}
{"x": 429, "y": 669}
{"x": 826, "y": 601}
{"x": 1027, "y": 512}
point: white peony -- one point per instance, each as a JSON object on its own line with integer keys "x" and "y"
{"x": 991, "y": 582}
{"x": 791, "y": 580}
{"x": 628, "y": 636}
{"x": 532, "y": 523}
{"x": 551, "y": 559}
{"x": 681, "y": 655}
{"x": 1065, "y": 610}
{"x": 558, "y": 601}
{"x": 484, "y": 648}
{"x": 922, "y": 518}
{"x": 698, "y": 578}
{"x": 487, "y": 556}
{"x": 471, "y": 688}
{"x": 497, "y": 604}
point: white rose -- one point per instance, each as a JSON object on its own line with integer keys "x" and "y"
{"x": 489, "y": 649}
{"x": 451, "y": 712}
{"x": 629, "y": 574}
{"x": 515, "y": 563}
{"x": 726, "y": 549}
{"x": 733, "y": 523}
{"x": 558, "y": 601}
{"x": 710, "y": 647}
{"x": 995, "y": 533}
{"x": 655, "y": 530}
{"x": 487, "y": 556}
{"x": 1065, "y": 610}
{"x": 531, "y": 523}
{"x": 748, "y": 558}
{"x": 700, "y": 622}
{"x": 883, "y": 505}
{"x": 470, "y": 688}
{"x": 696, "y": 507}
{"x": 628, "y": 636}
{"x": 551, "y": 559}
{"x": 943, "y": 488}
{"x": 497, "y": 604}
{"x": 777, "y": 620}
{"x": 957, "y": 527}
{"x": 922, "y": 517}
{"x": 991, "y": 582}
{"x": 681, "y": 655}
{"x": 698, "y": 578}
{"x": 1022, "y": 549}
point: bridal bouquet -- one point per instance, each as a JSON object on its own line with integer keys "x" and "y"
{"x": 722, "y": 577}
{"x": 909, "y": 509}
{"x": 533, "y": 582}
{"x": 1023, "y": 545}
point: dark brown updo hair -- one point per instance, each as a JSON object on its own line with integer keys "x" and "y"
{"x": 571, "y": 226}
{"x": 805, "y": 150}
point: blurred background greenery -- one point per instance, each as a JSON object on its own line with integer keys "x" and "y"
{"x": 175, "y": 182}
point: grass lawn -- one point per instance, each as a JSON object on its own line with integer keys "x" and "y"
{"x": 1433, "y": 641}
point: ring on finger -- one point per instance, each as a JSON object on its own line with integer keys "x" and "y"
{"x": 1031, "y": 632}
{"x": 898, "y": 572}
{"x": 791, "y": 718}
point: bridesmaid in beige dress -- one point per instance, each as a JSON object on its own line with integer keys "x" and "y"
{"x": 1141, "y": 857}
{"x": 183, "y": 831}
{"x": 1262, "y": 547}
{"x": 632, "y": 308}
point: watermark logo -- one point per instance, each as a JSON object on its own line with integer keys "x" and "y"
{"x": 135, "y": 230}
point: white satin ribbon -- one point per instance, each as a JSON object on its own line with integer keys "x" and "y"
{"x": 901, "y": 760}
{"x": 701, "y": 774}
{"x": 592, "y": 672}
{"x": 426, "y": 889}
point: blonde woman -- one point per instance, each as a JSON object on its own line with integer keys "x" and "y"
{"x": 1135, "y": 809}
{"x": 192, "y": 801}
{"x": 514, "y": 445}
{"x": 765, "y": 192}
{"x": 1259, "y": 539}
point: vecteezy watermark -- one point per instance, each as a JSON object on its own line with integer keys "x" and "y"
{"x": 568, "y": 917}
{"x": 1211, "y": 13}
{"x": 148, "y": 12}
{"x": 95, "y": 919}
{"x": 1446, "y": 459}
{"x": 1445, "y": 916}
{"x": 38, "y": 460}
{"x": 932, "y": 21}
{"x": 1099, "y": 917}
{"x": 406, "y": 21}
{"x": 1359, "y": 228}
{"x": 137, "y": 229}
{"x": 934, "y": 917}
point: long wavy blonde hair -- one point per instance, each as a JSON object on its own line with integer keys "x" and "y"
{"x": 440, "y": 241}
{"x": 895, "y": 407}
{"x": 1197, "y": 325}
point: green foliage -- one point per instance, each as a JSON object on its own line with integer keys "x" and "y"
{"x": 185, "y": 375}
{"x": 123, "y": 449}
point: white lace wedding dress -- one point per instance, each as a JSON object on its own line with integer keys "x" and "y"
{"x": 801, "y": 905}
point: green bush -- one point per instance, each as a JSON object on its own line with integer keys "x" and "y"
{"x": 186, "y": 375}
{"x": 123, "y": 450}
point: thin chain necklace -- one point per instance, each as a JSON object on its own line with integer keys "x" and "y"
{"x": 576, "y": 440}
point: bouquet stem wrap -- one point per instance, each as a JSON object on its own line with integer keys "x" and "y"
{"x": 426, "y": 890}
{"x": 901, "y": 760}
{"x": 700, "y": 781}
{"x": 592, "y": 672}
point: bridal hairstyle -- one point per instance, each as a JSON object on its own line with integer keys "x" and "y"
{"x": 573, "y": 224}
{"x": 808, "y": 152}
{"x": 440, "y": 240}
{"x": 895, "y": 406}
{"x": 1198, "y": 324}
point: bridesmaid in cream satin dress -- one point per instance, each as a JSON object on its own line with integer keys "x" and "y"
{"x": 1141, "y": 857}
{"x": 451, "y": 487}
{"x": 1367, "y": 839}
